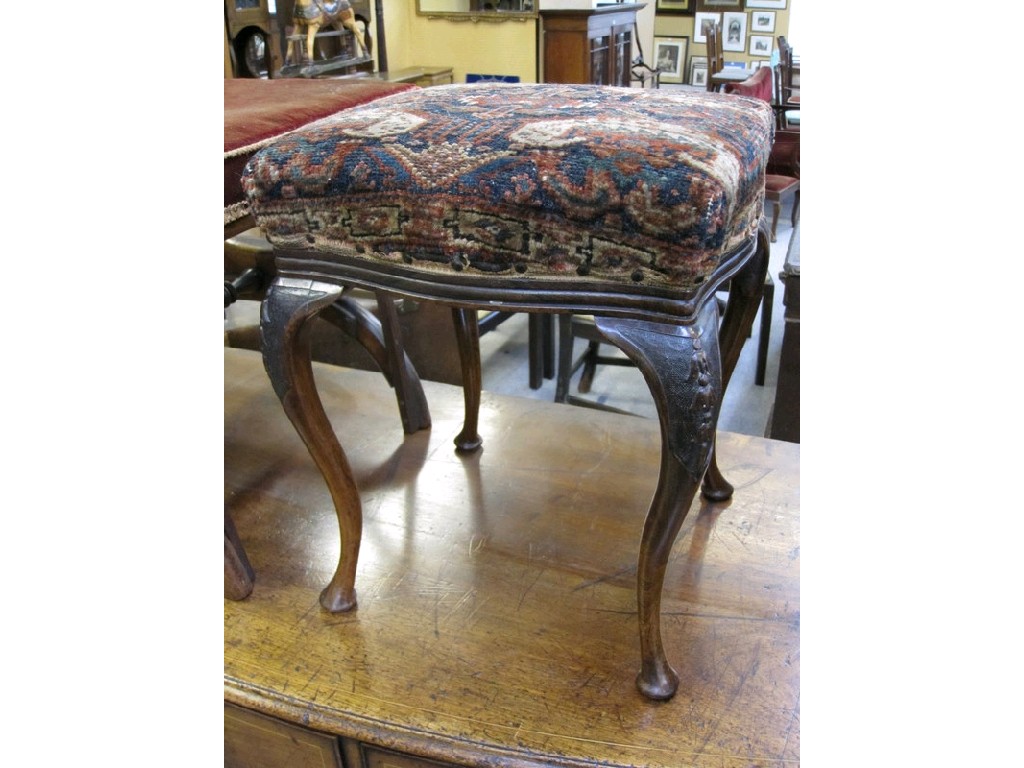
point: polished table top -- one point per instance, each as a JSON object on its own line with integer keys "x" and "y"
{"x": 497, "y": 606}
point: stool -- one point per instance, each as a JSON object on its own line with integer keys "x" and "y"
{"x": 632, "y": 205}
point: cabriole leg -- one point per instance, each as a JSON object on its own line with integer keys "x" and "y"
{"x": 467, "y": 335}
{"x": 682, "y": 367}
{"x": 284, "y": 330}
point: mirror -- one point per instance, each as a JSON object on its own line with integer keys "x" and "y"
{"x": 478, "y": 10}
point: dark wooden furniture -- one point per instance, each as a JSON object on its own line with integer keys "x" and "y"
{"x": 338, "y": 215}
{"x": 592, "y": 46}
{"x": 785, "y": 419}
{"x": 720, "y": 75}
{"x": 496, "y": 623}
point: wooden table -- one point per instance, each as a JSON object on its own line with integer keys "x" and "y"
{"x": 497, "y": 607}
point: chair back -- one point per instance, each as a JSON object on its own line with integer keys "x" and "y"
{"x": 715, "y": 62}
{"x": 785, "y": 90}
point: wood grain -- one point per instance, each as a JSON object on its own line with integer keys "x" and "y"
{"x": 497, "y": 609}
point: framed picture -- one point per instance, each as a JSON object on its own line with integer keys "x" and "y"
{"x": 779, "y": 5}
{"x": 762, "y": 21}
{"x": 682, "y": 7}
{"x": 761, "y": 45}
{"x": 711, "y": 4}
{"x": 696, "y": 62}
{"x": 670, "y": 57}
{"x": 734, "y": 32}
{"x": 700, "y": 34}
{"x": 699, "y": 76}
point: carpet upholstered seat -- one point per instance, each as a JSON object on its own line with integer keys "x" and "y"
{"x": 257, "y": 112}
{"x": 509, "y": 179}
{"x": 631, "y": 205}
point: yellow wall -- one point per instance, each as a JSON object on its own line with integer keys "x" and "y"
{"x": 483, "y": 48}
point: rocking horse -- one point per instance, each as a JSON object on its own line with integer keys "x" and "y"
{"x": 314, "y": 14}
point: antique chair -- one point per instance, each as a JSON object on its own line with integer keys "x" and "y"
{"x": 633, "y": 205}
{"x": 787, "y": 93}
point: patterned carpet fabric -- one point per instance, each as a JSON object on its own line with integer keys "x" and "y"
{"x": 553, "y": 181}
{"x": 258, "y": 111}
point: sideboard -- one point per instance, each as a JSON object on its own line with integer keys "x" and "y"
{"x": 593, "y": 45}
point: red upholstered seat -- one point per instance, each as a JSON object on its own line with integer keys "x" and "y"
{"x": 258, "y": 111}
{"x": 758, "y": 85}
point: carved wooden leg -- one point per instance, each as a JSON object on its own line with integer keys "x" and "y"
{"x": 284, "y": 328}
{"x": 467, "y": 334}
{"x": 238, "y": 574}
{"x": 745, "y": 292}
{"x": 382, "y": 339}
{"x": 682, "y": 367}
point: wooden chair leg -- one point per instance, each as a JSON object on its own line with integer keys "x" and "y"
{"x": 536, "y": 350}
{"x": 776, "y": 210}
{"x": 563, "y": 376}
{"x": 683, "y": 370}
{"x": 589, "y": 367}
{"x": 284, "y": 331}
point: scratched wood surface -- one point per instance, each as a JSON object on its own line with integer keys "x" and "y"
{"x": 496, "y": 621}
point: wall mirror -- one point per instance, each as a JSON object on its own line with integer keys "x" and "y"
{"x": 478, "y": 10}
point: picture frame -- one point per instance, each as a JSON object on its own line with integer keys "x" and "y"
{"x": 705, "y": 5}
{"x": 678, "y": 7}
{"x": 696, "y": 61}
{"x": 762, "y": 21}
{"x": 734, "y": 32}
{"x": 670, "y": 57}
{"x": 699, "y": 20}
{"x": 699, "y": 76}
{"x": 778, "y": 5}
{"x": 761, "y": 45}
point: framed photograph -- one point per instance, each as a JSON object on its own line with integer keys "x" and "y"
{"x": 762, "y": 21}
{"x": 778, "y": 5}
{"x": 707, "y": 5}
{"x": 670, "y": 57}
{"x": 734, "y": 32}
{"x": 761, "y": 45}
{"x": 699, "y": 76}
{"x": 700, "y": 20}
{"x": 681, "y": 7}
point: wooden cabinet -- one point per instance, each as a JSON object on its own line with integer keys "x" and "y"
{"x": 588, "y": 46}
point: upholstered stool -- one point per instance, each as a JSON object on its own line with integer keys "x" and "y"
{"x": 632, "y": 205}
